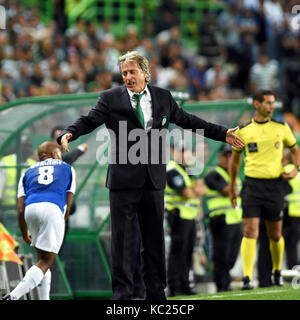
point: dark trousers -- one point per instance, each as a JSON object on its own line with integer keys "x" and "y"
{"x": 138, "y": 282}
{"x": 226, "y": 245}
{"x": 148, "y": 206}
{"x": 183, "y": 235}
{"x": 291, "y": 234}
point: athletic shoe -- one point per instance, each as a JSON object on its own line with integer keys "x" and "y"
{"x": 277, "y": 278}
{"x": 247, "y": 284}
{"x": 6, "y": 297}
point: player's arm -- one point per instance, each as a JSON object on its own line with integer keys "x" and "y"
{"x": 21, "y": 211}
{"x": 21, "y": 220}
{"x": 70, "y": 197}
{"x": 70, "y": 192}
{"x": 295, "y": 154}
{"x": 234, "y": 169}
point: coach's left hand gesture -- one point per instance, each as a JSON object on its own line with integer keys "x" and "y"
{"x": 233, "y": 139}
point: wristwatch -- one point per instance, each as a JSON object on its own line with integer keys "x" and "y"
{"x": 298, "y": 168}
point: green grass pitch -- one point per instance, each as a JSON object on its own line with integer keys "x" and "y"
{"x": 287, "y": 292}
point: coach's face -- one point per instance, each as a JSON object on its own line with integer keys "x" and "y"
{"x": 133, "y": 77}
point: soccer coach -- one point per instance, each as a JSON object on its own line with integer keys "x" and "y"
{"x": 138, "y": 189}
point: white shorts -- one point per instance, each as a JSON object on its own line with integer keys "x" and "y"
{"x": 46, "y": 225}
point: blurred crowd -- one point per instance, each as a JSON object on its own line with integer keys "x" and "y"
{"x": 250, "y": 45}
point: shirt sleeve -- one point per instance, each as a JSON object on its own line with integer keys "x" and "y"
{"x": 175, "y": 181}
{"x": 215, "y": 181}
{"x": 289, "y": 138}
{"x": 21, "y": 190}
{"x": 72, "y": 185}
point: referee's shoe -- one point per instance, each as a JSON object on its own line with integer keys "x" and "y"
{"x": 247, "y": 284}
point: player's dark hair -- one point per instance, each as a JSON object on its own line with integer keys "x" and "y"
{"x": 259, "y": 95}
{"x": 54, "y": 129}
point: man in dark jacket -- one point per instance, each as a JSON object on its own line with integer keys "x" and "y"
{"x": 138, "y": 110}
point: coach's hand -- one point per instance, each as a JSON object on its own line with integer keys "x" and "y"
{"x": 65, "y": 141}
{"x": 233, "y": 139}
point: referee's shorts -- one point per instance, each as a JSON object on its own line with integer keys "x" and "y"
{"x": 263, "y": 198}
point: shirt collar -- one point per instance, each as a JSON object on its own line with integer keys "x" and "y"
{"x": 253, "y": 120}
{"x": 131, "y": 94}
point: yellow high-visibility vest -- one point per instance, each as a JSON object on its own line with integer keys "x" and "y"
{"x": 188, "y": 208}
{"x": 10, "y": 188}
{"x": 294, "y": 197}
{"x": 218, "y": 204}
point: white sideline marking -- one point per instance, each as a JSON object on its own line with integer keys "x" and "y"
{"x": 237, "y": 294}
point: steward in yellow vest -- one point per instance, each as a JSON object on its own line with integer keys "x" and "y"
{"x": 9, "y": 182}
{"x": 224, "y": 220}
{"x": 182, "y": 205}
{"x": 218, "y": 203}
{"x": 293, "y": 198}
{"x": 9, "y": 194}
{"x": 188, "y": 207}
{"x": 291, "y": 221}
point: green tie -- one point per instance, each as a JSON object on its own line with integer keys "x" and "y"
{"x": 138, "y": 109}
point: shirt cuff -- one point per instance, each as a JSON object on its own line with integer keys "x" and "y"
{"x": 81, "y": 148}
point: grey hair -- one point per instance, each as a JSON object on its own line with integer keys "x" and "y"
{"x": 142, "y": 62}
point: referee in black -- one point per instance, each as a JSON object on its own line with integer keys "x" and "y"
{"x": 263, "y": 188}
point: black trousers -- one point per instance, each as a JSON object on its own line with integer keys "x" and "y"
{"x": 183, "y": 235}
{"x": 291, "y": 234}
{"x": 138, "y": 282}
{"x": 226, "y": 245}
{"x": 147, "y": 205}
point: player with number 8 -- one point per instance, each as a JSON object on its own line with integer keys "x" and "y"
{"x": 45, "y": 194}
